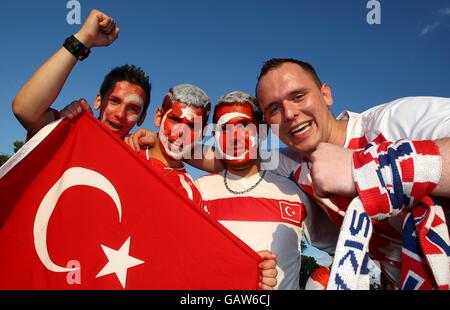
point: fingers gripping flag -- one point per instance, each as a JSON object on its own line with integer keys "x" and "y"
{"x": 392, "y": 178}
{"x": 79, "y": 210}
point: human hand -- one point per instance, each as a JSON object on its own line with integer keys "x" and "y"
{"x": 331, "y": 171}
{"x": 268, "y": 278}
{"x": 75, "y": 109}
{"x": 98, "y": 30}
{"x": 141, "y": 139}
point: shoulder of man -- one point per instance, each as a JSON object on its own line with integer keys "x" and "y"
{"x": 288, "y": 162}
{"x": 409, "y": 117}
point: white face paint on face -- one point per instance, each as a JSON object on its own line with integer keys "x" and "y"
{"x": 180, "y": 127}
{"x": 133, "y": 99}
{"x": 165, "y": 140}
{"x": 122, "y": 107}
{"x": 219, "y": 134}
{"x": 236, "y": 134}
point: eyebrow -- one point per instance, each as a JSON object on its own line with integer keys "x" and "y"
{"x": 174, "y": 117}
{"x": 299, "y": 90}
{"x": 290, "y": 94}
{"x": 134, "y": 104}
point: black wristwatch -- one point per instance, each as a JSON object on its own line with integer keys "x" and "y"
{"x": 76, "y": 48}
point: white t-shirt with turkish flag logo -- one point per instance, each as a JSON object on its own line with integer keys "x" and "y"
{"x": 413, "y": 118}
{"x": 272, "y": 216}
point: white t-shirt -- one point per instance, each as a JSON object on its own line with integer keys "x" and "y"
{"x": 272, "y": 216}
{"x": 413, "y": 118}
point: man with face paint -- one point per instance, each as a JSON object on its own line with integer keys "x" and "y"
{"x": 123, "y": 98}
{"x": 296, "y": 105}
{"x": 264, "y": 210}
{"x": 181, "y": 120}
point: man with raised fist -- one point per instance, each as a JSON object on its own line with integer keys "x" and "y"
{"x": 123, "y": 97}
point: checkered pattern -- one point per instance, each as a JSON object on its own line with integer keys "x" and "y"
{"x": 391, "y": 178}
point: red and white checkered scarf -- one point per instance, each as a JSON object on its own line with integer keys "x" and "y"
{"x": 392, "y": 178}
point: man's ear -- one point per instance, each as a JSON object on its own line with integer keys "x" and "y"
{"x": 158, "y": 117}
{"x": 142, "y": 118}
{"x": 98, "y": 102}
{"x": 326, "y": 94}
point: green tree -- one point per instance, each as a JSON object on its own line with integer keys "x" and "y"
{"x": 17, "y": 145}
{"x": 4, "y": 157}
{"x": 309, "y": 264}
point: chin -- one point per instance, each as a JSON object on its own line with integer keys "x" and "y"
{"x": 238, "y": 163}
{"x": 121, "y": 135}
{"x": 174, "y": 156}
{"x": 307, "y": 146}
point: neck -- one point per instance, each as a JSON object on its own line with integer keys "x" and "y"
{"x": 252, "y": 168}
{"x": 338, "y": 132}
{"x": 157, "y": 153}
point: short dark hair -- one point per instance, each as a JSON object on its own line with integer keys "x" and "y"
{"x": 277, "y": 62}
{"x": 131, "y": 74}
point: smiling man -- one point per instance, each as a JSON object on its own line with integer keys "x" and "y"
{"x": 296, "y": 105}
{"x": 180, "y": 120}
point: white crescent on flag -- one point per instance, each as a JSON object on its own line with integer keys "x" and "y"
{"x": 71, "y": 177}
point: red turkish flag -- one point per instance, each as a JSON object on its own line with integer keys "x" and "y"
{"x": 78, "y": 210}
{"x": 292, "y": 212}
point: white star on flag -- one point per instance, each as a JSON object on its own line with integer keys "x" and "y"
{"x": 187, "y": 113}
{"x": 119, "y": 261}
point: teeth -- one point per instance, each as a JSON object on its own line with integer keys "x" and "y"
{"x": 115, "y": 126}
{"x": 301, "y": 128}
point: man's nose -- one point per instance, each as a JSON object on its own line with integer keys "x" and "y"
{"x": 238, "y": 133}
{"x": 181, "y": 131}
{"x": 121, "y": 112}
{"x": 177, "y": 130}
{"x": 290, "y": 110}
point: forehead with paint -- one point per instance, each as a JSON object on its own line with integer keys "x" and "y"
{"x": 128, "y": 73}
{"x": 236, "y": 105}
{"x": 188, "y": 102}
{"x": 184, "y": 113}
{"x": 122, "y": 107}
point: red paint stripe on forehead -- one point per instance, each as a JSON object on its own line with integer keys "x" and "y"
{"x": 234, "y": 108}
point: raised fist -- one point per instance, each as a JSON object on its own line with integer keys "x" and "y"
{"x": 331, "y": 171}
{"x": 98, "y": 30}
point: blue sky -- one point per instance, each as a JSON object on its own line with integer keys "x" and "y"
{"x": 220, "y": 46}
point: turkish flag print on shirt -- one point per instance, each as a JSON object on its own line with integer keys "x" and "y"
{"x": 78, "y": 210}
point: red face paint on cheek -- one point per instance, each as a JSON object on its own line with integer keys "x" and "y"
{"x": 237, "y": 133}
{"x": 177, "y": 136}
